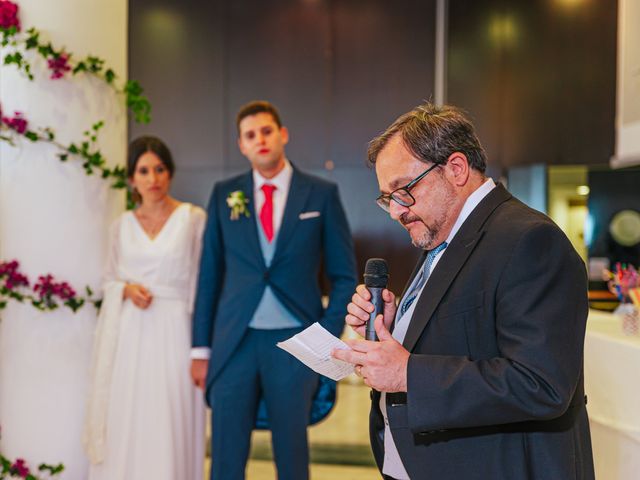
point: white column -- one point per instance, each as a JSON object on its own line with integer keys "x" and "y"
{"x": 440, "y": 70}
{"x": 54, "y": 219}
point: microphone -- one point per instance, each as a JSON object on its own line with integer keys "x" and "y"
{"x": 376, "y": 275}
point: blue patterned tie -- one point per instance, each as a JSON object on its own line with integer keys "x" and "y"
{"x": 423, "y": 275}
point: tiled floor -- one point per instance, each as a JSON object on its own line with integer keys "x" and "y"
{"x": 339, "y": 445}
{"x": 263, "y": 470}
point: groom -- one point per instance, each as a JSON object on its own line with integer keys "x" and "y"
{"x": 269, "y": 232}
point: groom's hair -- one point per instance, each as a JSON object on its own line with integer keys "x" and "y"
{"x": 255, "y": 107}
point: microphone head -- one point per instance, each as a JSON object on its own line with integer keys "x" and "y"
{"x": 376, "y": 273}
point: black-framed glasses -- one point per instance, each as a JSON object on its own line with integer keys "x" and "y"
{"x": 402, "y": 196}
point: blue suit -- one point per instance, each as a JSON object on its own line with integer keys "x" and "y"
{"x": 233, "y": 277}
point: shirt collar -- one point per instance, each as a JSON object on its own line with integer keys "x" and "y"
{"x": 281, "y": 180}
{"x": 472, "y": 202}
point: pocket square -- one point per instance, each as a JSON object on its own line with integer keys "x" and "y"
{"x": 308, "y": 215}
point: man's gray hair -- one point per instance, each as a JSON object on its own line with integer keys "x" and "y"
{"x": 433, "y": 133}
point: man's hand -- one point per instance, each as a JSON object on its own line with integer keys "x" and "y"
{"x": 199, "y": 369}
{"x": 361, "y": 306}
{"x": 138, "y": 294}
{"x": 382, "y": 365}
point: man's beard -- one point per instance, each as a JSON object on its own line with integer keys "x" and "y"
{"x": 432, "y": 232}
{"x": 427, "y": 238}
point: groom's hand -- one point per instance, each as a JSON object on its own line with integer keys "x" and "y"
{"x": 199, "y": 369}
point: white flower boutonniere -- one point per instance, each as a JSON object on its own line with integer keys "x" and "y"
{"x": 237, "y": 201}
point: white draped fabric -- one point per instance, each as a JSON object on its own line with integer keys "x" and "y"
{"x": 54, "y": 219}
{"x": 146, "y": 419}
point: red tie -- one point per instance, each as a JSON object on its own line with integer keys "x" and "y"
{"x": 266, "y": 214}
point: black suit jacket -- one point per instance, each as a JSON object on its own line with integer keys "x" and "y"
{"x": 495, "y": 388}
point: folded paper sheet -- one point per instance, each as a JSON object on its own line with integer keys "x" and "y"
{"x": 313, "y": 347}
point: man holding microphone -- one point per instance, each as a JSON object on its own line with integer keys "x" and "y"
{"x": 481, "y": 376}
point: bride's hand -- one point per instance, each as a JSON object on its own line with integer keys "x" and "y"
{"x": 140, "y": 296}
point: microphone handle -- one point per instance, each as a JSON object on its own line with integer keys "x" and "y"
{"x": 378, "y": 304}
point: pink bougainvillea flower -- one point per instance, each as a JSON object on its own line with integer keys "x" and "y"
{"x": 16, "y": 279}
{"x": 8, "y": 267}
{"x": 17, "y": 123}
{"x": 47, "y": 287}
{"x": 9, "y": 15}
{"x": 20, "y": 468}
{"x": 13, "y": 278}
{"x": 59, "y": 65}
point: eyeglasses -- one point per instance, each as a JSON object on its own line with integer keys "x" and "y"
{"x": 402, "y": 196}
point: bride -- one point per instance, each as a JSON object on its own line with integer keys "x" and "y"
{"x": 145, "y": 419}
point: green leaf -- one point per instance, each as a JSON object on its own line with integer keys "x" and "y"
{"x": 52, "y": 469}
{"x": 63, "y": 157}
{"x": 32, "y": 41}
{"x": 96, "y": 159}
{"x": 109, "y": 76}
{"x": 130, "y": 203}
{"x": 46, "y": 50}
{"x": 119, "y": 185}
{"x": 33, "y": 136}
{"x": 74, "y": 304}
{"x": 132, "y": 87}
{"x": 80, "y": 67}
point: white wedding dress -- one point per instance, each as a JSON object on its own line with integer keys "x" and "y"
{"x": 145, "y": 418}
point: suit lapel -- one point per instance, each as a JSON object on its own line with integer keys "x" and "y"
{"x": 296, "y": 200}
{"x": 452, "y": 261}
{"x": 250, "y": 225}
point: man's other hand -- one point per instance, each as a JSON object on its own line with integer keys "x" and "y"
{"x": 383, "y": 364}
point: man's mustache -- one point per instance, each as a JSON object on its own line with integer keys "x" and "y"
{"x": 406, "y": 218}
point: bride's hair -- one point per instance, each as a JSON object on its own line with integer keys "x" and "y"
{"x": 144, "y": 144}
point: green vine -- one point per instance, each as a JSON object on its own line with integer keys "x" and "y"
{"x": 60, "y": 62}
{"x": 46, "y": 294}
{"x": 18, "y": 46}
{"x": 93, "y": 161}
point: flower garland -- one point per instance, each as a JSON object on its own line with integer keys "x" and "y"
{"x": 44, "y": 294}
{"x": 20, "y": 469}
{"x": 12, "y": 128}
{"x": 61, "y": 64}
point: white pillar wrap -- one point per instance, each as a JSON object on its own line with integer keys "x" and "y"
{"x": 54, "y": 219}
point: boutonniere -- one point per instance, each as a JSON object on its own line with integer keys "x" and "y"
{"x": 237, "y": 201}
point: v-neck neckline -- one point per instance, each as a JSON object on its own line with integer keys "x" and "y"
{"x": 164, "y": 225}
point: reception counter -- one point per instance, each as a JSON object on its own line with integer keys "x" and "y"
{"x": 612, "y": 385}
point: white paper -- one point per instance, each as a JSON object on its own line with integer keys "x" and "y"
{"x": 313, "y": 347}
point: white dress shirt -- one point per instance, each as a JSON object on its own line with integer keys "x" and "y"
{"x": 393, "y": 465}
{"x": 281, "y": 181}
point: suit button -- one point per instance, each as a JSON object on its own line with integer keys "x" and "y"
{"x": 265, "y": 275}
